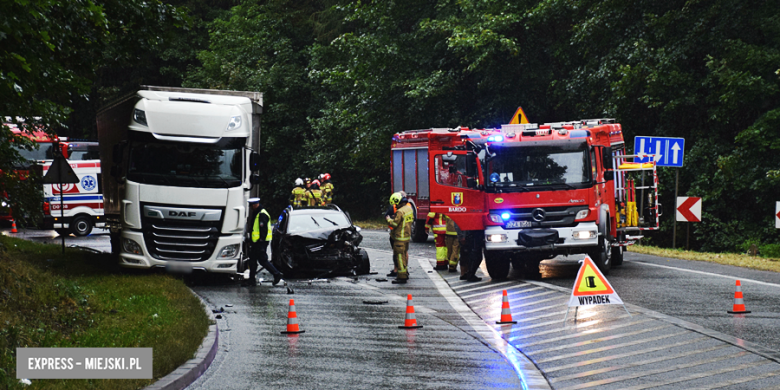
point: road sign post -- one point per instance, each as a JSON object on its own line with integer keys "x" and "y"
{"x": 669, "y": 152}
{"x": 59, "y": 173}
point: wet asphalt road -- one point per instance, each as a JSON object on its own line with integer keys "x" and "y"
{"x": 348, "y": 344}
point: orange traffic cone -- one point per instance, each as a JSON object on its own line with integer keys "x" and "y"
{"x": 506, "y": 315}
{"x": 13, "y": 226}
{"x": 411, "y": 321}
{"x": 739, "y": 305}
{"x": 292, "y": 320}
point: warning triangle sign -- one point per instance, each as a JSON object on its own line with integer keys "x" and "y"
{"x": 592, "y": 288}
{"x": 60, "y": 172}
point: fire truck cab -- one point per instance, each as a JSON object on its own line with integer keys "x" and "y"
{"x": 529, "y": 192}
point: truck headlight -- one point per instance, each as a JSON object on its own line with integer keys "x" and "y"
{"x": 495, "y": 218}
{"x": 495, "y": 238}
{"x": 140, "y": 116}
{"x": 584, "y": 234}
{"x": 235, "y": 123}
{"x": 131, "y": 246}
{"x": 581, "y": 214}
{"x": 228, "y": 252}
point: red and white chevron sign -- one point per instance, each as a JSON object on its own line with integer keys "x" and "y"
{"x": 688, "y": 209}
{"x": 777, "y": 215}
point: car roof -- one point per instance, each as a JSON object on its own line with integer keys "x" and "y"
{"x": 314, "y": 211}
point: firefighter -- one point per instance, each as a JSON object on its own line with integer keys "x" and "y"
{"x": 452, "y": 242}
{"x": 402, "y": 228}
{"x": 437, "y": 223}
{"x": 259, "y": 228}
{"x": 314, "y": 194}
{"x": 327, "y": 188}
{"x": 298, "y": 195}
{"x": 390, "y": 214}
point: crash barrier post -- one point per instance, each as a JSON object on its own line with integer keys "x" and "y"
{"x": 506, "y": 314}
{"x": 292, "y": 320}
{"x": 410, "y": 322}
{"x": 739, "y": 305}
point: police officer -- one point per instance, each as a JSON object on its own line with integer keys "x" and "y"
{"x": 298, "y": 195}
{"x": 314, "y": 194}
{"x": 402, "y": 229}
{"x": 327, "y": 188}
{"x": 258, "y": 225}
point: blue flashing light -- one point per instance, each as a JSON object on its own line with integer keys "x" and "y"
{"x": 496, "y": 138}
{"x": 505, "y": 216}
{"x": 494, "y": 177}
{"x": 579, "y": 133}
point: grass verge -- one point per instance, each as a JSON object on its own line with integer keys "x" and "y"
{"x": 82, "y": 300}
{"x": 735, "y": 259}
{"x": 372, "y": 224}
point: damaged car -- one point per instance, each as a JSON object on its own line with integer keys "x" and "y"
{"x": 318, "y": 240}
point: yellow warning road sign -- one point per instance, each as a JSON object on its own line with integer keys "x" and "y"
{"x": 592, "y": 288}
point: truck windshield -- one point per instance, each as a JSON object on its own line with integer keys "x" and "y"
{"x": 44, "y": 151}
{"x": 183, "y": 164}
{"x": 522, "y": 168}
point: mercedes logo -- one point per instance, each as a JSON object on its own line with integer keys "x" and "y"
{"x": 538, "y": 215}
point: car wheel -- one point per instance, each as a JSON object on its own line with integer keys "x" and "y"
{"x": 81, "y": 226}
{"x": 364, "y": 264}
{"x": 285, "y": 263}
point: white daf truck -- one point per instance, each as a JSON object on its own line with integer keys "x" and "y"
{"x": 179, "y": 166}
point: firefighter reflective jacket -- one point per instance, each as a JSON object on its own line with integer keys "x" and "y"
{"x": 298, "y": 197}
{"x": 402, "y": 223}
{"x": 437, "y": 222}
{"x": 452, "y": 229}
{"x": 256, "y": 227}
{"x": 327, "y": 192}
{"x": 314, "y": 197}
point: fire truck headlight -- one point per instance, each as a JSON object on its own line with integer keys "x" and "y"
{"x": 495, "y": 218}
{"x": 235, "y": 123}
{"x": 581, "y": 214}
{"x": 140, "y": 116}
{"x": 496, "y": 237}
{"x": 131, "y": 246}
{"x": 4, "y": 204}
{"x": 229, "y": 251}
{"x": 583, "y": 234}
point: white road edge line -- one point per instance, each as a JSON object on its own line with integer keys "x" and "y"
{"x": 528, "y": 373}
{"x": 705, "y": 273}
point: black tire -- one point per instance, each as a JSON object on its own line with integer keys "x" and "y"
{"x": 617, "y": 255}
{"x": 116, "y": 245}
{"x": 81, "y": 226}
{"x": 285, "y": 263}
{"x": 497, "y": 265}
{"x": 602, "y": 256}
{"x": 364, "y": 264}
{"x": 418, "y": 231}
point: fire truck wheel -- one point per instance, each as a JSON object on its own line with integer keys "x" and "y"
{"x": 81, "y": 226}
{"x": 497, "y": 265}
{"x": 602, "y": 256}
{"x": 617, "y": 255}
{"x": 418, "y": 231}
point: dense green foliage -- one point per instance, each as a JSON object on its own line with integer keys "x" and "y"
{"x": 340, "y": 77}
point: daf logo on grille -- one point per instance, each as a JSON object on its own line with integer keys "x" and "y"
{"x": 538, "y": 215}
{"x": 188, "y": 214}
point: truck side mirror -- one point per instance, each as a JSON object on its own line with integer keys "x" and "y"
{"x": 609, "y": 175}
{"x": 471, "y": 164}
{"x": 471, "y": 183}
{"x": 254, "y": 179}
{"x": 254, "y": 162}
{"x": 607, "y": 161}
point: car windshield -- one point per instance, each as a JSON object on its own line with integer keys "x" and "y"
{"x": 307, "y": 222}
{"x": 520, "y": 168}
{"x": 183, "y": 164}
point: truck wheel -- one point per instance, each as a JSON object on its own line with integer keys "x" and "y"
{"x": 602, "y": 256}
{"x": 497, "y": 265}
{"x": 418, "y": 231}
{"x": 617, "y": 255}
{"x": 81, "y": 226}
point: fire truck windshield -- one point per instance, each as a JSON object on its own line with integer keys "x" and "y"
{"x": 183, "y": 164}
{"x": 524, "y": 167}
{"x": 44, "y": 151}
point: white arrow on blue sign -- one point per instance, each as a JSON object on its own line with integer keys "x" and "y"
{"x": 668, "y": 151}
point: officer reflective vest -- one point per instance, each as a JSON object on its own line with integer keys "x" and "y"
{"x": 256, "y": 227}
{"x": 298, "y": 196}
{"x": 437, "y": 222}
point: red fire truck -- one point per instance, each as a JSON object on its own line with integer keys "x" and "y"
{"x": 524, "y": 193}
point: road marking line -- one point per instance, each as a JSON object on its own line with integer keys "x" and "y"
{"x": 706, "y": 273}
{"x": 636, "y": 364}
{"x": 600, "y": 339}
{"x": 702, "y": 375}
{"x": 517, "y": 317}
{"x": 610, "y": 347}
{"x": 480, "y": 287}
{"x": 528, "y": 373}
{"x": 652, "y": 372}
{"x": 747, "y": 379}
{"x": 583, "y": 333}
{"x": 565, "y": 328}
{"x": 508, "y": 293}
{"x": 627, "y": 354}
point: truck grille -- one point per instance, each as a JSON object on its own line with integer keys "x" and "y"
{"x": 562, "y": 216}
{"x": 180, "y": 240}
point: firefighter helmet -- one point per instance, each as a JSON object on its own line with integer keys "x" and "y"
{"x": 326, "y": 176}
{"x": 299, "y": 182}
{"x": 317, "y": 182}
{"x": 395, "y": 198}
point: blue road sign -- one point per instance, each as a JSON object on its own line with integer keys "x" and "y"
{"x": 669, "y": 151}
